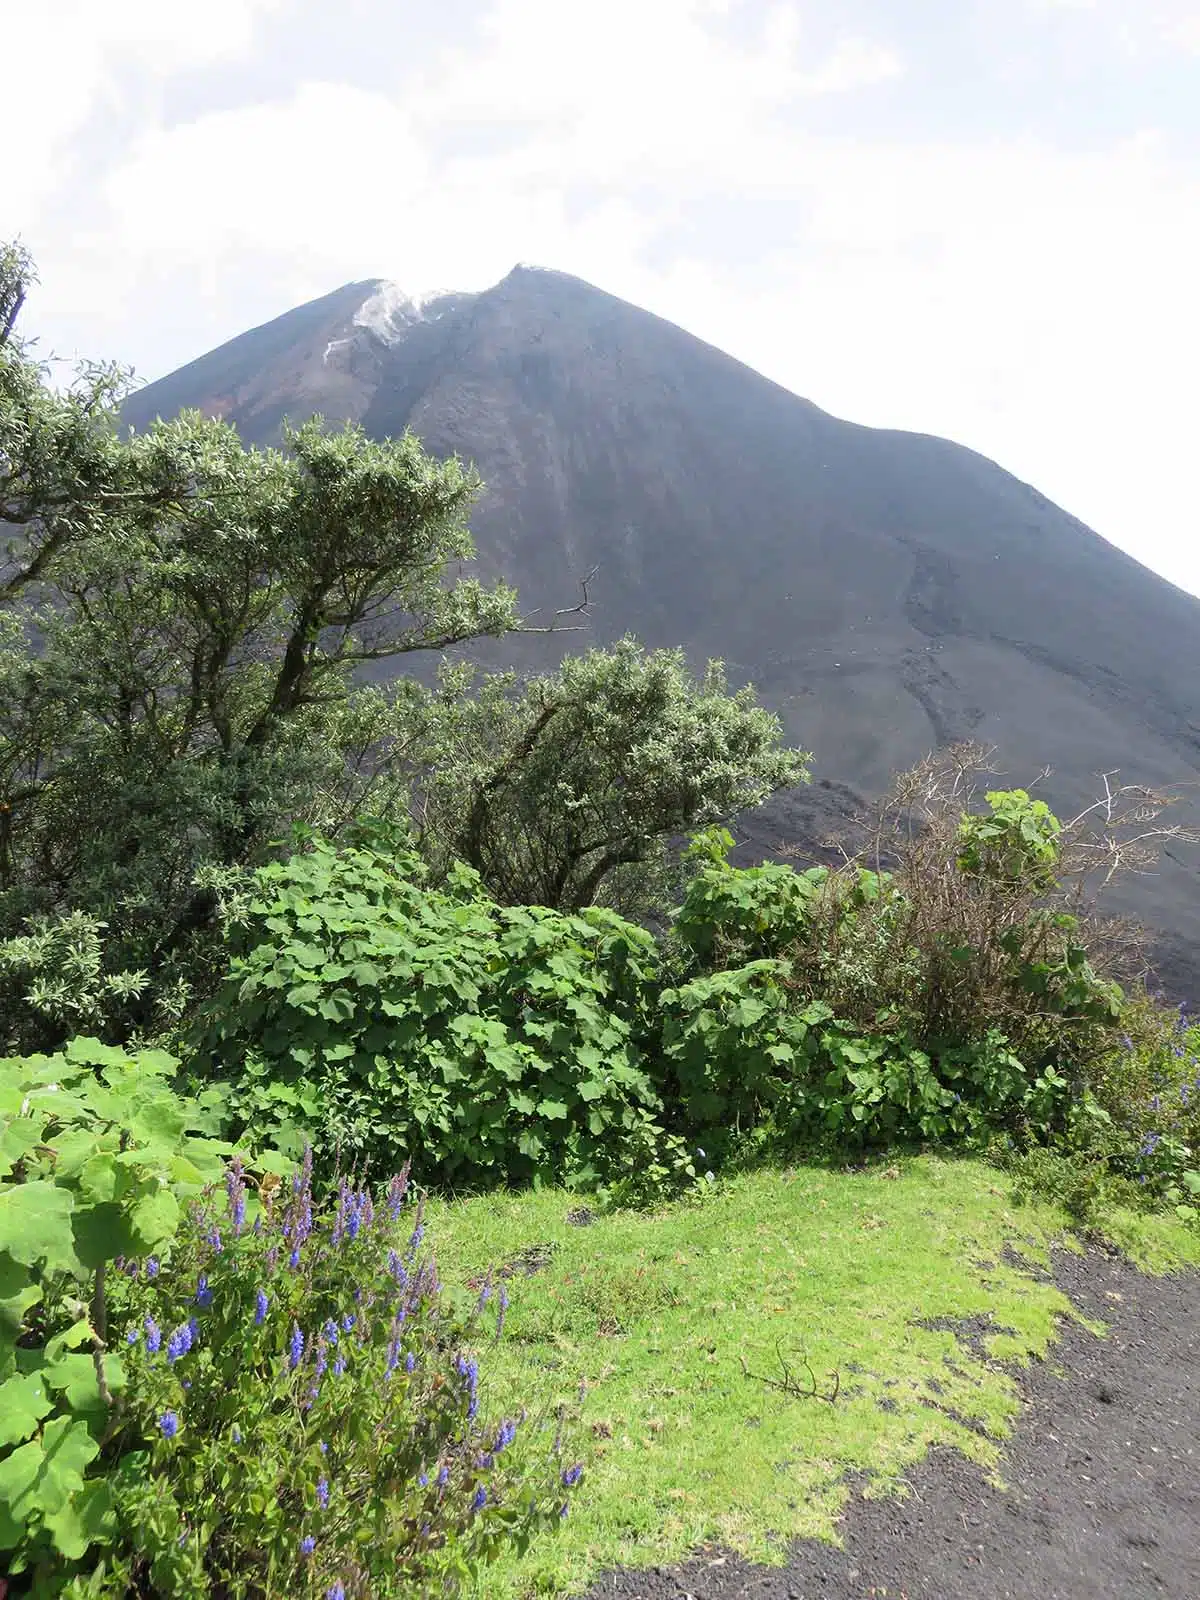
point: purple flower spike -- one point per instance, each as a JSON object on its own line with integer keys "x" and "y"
{"x": 235, "y": 1188}
{"x": 153, "y": 1336}
{"x": 169, "y": 1423}
{"x": 307, "y": 1545}
{"x": 179, "y": 1343}
{"x": 323, "y": 1493}
{"x": 295, "y": 1348}
{"x": 260, "y": 1308}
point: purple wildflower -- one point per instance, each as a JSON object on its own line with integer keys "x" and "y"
{"x": 335, "y": 1591}
{"x": 260, "y": 1308}
{"x": 295, "y": 1348}
{"x": 204, "y": 1295}
{"x": 307, "y": 1545}
{"x": 132, "y": 1336}
{"x": 480, "y": 1500}
{"x": 339, "y": 1366}
{"x": 179, "y": 1343}
{"x": 153, "y": 1336}
{"x": 572, "y": 1475}
{"x": 235, "y": 1189}
{"x": 151, "y": 1267}
{"x": 410, "y": 1362}
{"x": 469, "y": 1369}
{"x": 443, "y": 1477}
{"x": 397, "y": 1189}
{"x": 506, "y": 1435}
{"x": 169, "y": 1423}
{"x": 323, "y": 1492}
{"x": 423, "y": 1479}
{"x": 348, "y": 1321}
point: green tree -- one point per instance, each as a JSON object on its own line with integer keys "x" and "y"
{"x": 183, "y": 630}
{"x": 566, "y": 790}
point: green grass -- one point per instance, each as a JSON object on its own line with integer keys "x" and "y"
{"x": 654, "y": 1315}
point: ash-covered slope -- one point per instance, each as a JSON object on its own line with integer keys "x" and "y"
{"x": 887, "y": 592}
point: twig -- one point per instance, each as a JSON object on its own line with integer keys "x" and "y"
{"x": 789, "y": 1385}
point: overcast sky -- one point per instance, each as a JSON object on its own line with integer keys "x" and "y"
{"x": 975, "y": 218}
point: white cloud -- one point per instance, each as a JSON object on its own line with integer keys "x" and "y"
{"x": 1032, "y": 302}
{"x": 1138, "y": 24}
{"x": 70, "y": 59}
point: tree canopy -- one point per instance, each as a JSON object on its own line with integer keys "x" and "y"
{"x": 183, "y": 619}
{"x": 566, "y": 788}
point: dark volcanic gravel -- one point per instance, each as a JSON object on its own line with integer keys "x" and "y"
{"x": 1103, "y": 1472}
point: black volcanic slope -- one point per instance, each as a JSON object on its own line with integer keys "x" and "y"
{"x": 887, "y": 592}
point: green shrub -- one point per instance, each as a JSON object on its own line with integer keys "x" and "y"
{"x": 97, "y": 1157}
{"x": 375, "y": 1014}
{"x": 301, "y": 1412}
{"x": 730, "y": 915}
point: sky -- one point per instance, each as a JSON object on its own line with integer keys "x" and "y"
{"x": 972, "y": 218}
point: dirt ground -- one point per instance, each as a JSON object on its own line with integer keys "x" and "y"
{"x": 1103, "y": 1474}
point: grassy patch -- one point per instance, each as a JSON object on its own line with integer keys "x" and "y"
{"x": 905, "y": 1280}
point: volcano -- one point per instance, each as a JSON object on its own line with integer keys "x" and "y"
{"x": 887, "y": 593}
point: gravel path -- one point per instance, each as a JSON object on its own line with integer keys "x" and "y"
{"x": 1103, "y": 1472}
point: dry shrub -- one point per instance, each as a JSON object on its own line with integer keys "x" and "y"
{"x": 920, "y": 930}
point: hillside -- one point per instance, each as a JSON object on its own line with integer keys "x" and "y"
{"x": 886, "y": 592}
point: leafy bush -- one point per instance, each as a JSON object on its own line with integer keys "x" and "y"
{"x": 301, "y": 1411}
{"x": 164, "y": 705}
{"x": 970, "y": 928}
{"x": 53, "y": 982}
{"x": 394, "y": 1020}
{"x": 97, "y": 1157}
{"x": 730, "y": 915}
{"x": 564, "y": 789}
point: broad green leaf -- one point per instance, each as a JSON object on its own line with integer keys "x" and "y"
{"x": 103, "y": 1232}
{"x": 18, "y": 1292}
{"x": 23, "y": 1404}
{"x": 43, "y": 1474}
{"x": 76, "y": 1376}
{"x": 86, "y": 1519}
{"x": 91, "y": 1053}
{"x": 155, "y": 1218}
{"x": 99, "y": 1180}
{"x": 35, "y": 1225}
{"x": 79, "y": 1333}
{"x": 552, "y": 1110}
{"x": 18, "y": 1137}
